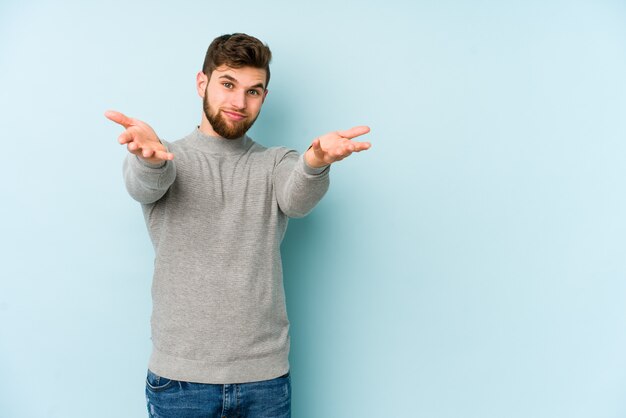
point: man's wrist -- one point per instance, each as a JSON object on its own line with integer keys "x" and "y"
{"x": 151, "y": 163}
{"x": 311, "y": 160}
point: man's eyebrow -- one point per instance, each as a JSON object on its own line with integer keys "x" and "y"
{"x": 233, "y": 79}
{"x": 228, "y": 77}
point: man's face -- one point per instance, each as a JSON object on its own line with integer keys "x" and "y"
{"x": 233, "y": 99}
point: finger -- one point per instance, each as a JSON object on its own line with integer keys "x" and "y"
{"x": 119, "y": 118}
{"x": 354, "y": 132}
{"x": 344, "y": 151}
{"x": 164, "y": 155}
{"x": 125, "y": 138}
{"x": 349, "y": 148}
{"x": 132, "y": 147}
{"x": 361, "y": 146}
{"x": 317, "y": 148}
{"x": 316, "y": 145}
{"x": 147, "y": 152}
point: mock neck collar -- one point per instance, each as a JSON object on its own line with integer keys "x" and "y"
{"x": 219, "y": 145}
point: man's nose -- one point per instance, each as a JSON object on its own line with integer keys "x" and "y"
{"x": 238, "y": 100}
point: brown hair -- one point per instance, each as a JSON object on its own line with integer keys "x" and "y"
{"x": 236, "y": 51}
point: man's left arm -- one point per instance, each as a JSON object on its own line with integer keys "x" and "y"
{"x": 301, "y": 182}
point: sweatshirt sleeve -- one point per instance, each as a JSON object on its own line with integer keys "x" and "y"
{"x": 145, "y": 182}
{"x": 299, "y": 187}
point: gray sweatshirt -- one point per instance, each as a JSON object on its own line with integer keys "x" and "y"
{"x": 216, "y": 216}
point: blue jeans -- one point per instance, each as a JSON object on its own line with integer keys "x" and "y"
{"x": 176, "y": 399}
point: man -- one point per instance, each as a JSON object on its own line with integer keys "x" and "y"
{"x": 216, "y": 205}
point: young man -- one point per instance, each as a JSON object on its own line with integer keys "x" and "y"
{"x": 216, "y": 205}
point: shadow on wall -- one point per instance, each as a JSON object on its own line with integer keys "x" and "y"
{"x": 298, "y": 255}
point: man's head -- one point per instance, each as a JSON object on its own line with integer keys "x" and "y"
{"x": 233, "y": 84}
{"x": 236, "y": 51}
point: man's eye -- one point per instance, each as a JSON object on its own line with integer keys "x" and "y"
{"x": 254, "y": 92}
{"x": 228, "y": 85}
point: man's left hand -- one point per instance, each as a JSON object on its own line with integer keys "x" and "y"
{"x": 335, "y": 146}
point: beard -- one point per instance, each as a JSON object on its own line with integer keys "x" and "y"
{"x": 228, "y": 129}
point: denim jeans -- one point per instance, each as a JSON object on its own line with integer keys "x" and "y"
{"x": 176, "y": 399}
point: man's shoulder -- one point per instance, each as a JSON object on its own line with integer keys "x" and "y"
{"x": 182, "y": 142}
{"x": 176, "y": 143}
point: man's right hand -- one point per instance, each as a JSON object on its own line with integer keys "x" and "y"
{"x": 140, "y": 138}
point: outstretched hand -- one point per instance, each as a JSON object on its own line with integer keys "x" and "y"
{"x": 335, "y": 146}
{"x": 140, "y": 138}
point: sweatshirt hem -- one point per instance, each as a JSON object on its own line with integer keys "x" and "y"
{"x": 206, "y": 371}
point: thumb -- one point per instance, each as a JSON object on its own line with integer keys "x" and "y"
{"x": 316, "y": 145}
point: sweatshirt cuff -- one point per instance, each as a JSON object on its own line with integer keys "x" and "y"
{"x": 150, "y": 165}
{"x": 312, "y": 171}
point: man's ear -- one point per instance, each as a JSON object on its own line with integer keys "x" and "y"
{"x": 265, "y": 95}
{"x": 201, "y": 83}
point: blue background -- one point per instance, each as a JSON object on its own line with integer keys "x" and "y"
{"x": 471, "y": 264}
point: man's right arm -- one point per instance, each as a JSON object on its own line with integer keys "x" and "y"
{"x": 149, "y": 170}
{"x": 147, "y": 182}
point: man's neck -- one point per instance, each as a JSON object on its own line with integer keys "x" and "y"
{"x": 206, "y": 128}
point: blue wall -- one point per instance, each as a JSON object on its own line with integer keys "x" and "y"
{"x": 471, "y": 264}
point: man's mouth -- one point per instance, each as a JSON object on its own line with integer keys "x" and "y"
{"x": 236, "y": 116}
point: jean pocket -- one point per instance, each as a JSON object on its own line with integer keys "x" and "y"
{"x": 157, "y": 383}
